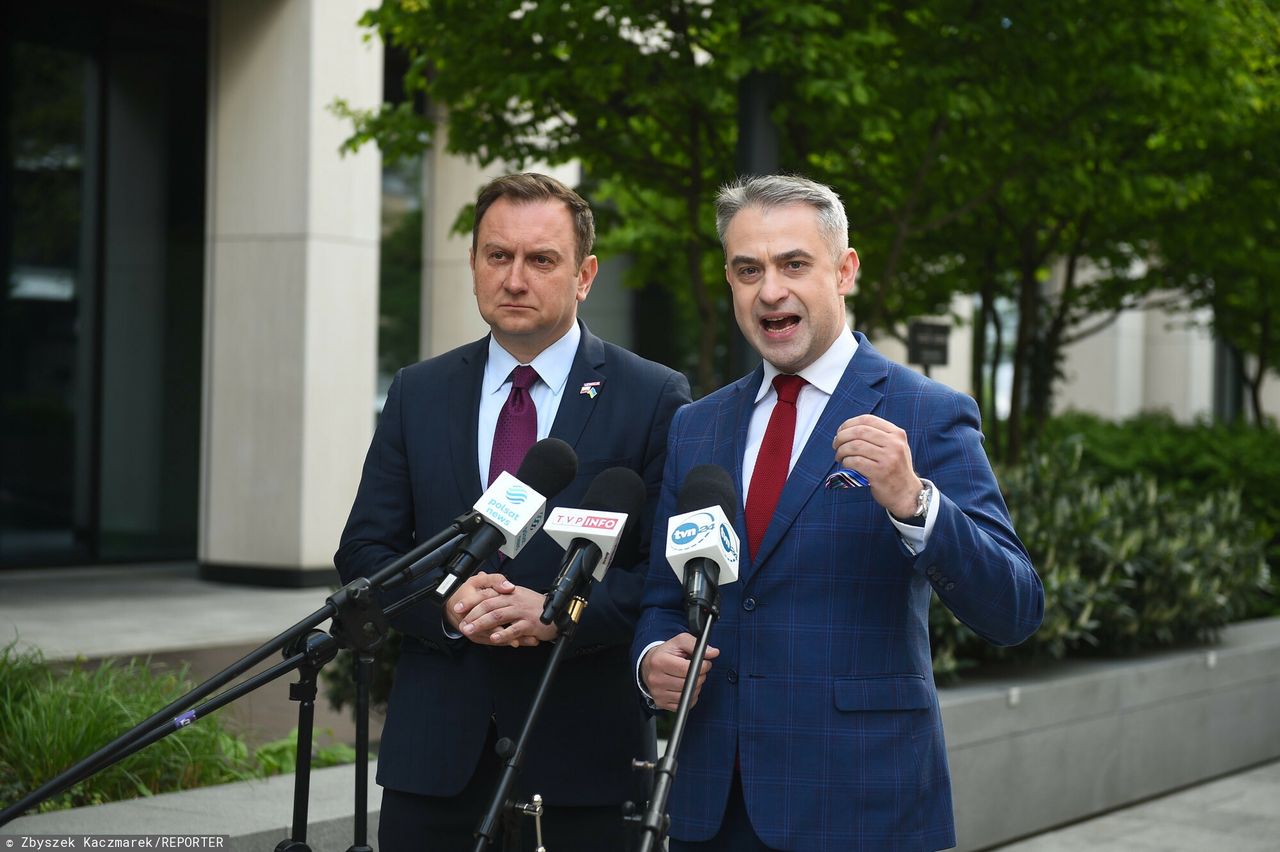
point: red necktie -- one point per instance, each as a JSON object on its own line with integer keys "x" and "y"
{"x": 774, "y": 460}
{"x": 517, "y": 427}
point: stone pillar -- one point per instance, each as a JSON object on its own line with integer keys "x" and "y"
{"x": 292, "y": 288}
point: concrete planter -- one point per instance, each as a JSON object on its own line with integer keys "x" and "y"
{"x": 1056, "y": 746}
{"x": 1029, "y": 751}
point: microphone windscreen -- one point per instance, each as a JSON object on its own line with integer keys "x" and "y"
{"x": 708, "y": 485}
{"x": 548, "y": 467}
{"x": 619, "y": 489}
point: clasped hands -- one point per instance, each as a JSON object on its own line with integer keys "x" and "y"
{"x": 489, "y": 609}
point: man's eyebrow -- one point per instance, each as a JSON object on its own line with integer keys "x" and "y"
{"x": 794, "y": 254}
{"x": 547, "y": 250}
{"x": 742, "y": 260}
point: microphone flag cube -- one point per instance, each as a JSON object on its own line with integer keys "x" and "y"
{"x": 601, "y": 528}
{"x": 703, "y": 534}
{"x": 515, "y": 509}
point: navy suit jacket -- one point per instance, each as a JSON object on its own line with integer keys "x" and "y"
{"x": 421, "y": 472}
{"x": 824, "y": 686}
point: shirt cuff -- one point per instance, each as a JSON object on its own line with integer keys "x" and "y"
{"x": 914, "y": 537}
{"x": 448, "y": 631}
{"x": 640, "y": 681}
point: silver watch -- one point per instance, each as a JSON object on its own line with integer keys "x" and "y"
{"x": 922, "y": 500}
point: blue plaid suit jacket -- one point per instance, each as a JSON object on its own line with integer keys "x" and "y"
{"x": 824, "y": 687}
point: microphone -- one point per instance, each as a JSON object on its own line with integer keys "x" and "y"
{"x": 592, "y": 536}
{"x": 511, "y": 511}
{"x": 702, "y": 547}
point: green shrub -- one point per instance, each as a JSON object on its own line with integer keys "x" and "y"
{"x": 1190, "y": 460}
{"x": 51, "y": 719}
{"x": 1127, "y": 565}
{"x": 280, "y": 756}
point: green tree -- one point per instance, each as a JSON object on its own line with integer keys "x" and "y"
{"x": 983, "y": 143}
{"x": 976, "y": 143}
{"x": 1223, "y": 251}
{"x": 628, "y": 91}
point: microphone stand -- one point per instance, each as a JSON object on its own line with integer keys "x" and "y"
{"x": 513, "y": 755}
{"x": 655, "y": 821}
{"x": 358, "y": 623}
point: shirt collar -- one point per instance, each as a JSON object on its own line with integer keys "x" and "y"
{"x": 553, "y": 363}
{"x": 825, "y": 372}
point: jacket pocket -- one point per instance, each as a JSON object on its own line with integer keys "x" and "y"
{"x": 883, "y": 692}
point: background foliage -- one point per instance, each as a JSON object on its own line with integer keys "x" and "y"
{"x": 1061, "y": 156}
{"x": 51, "y": 718}
{"x": 1129, "y": 561}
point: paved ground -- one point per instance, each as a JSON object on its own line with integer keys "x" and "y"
{"x": 165, "y": 610}
{"x": 1238, "y": 813}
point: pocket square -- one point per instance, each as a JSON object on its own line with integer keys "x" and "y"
{"x": 845, "y": 479}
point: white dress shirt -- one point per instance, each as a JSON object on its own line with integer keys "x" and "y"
{"x": 552, "y": 365}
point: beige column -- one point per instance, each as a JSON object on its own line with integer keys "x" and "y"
{"x": 292, "y": 288}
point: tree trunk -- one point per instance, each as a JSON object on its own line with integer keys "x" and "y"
{"x": 1028, "y": 329}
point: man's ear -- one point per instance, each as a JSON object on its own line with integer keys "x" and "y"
{"x": 587, "y": 276}
{"x": 848, "y": 273}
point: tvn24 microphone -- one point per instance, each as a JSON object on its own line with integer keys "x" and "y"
{"x": 513, "y": 508}
{"x": 702, "y": 546}
{"x": 605, "y": 525}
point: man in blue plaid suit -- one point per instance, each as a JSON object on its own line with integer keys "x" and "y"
{"x": 817, "y": 725}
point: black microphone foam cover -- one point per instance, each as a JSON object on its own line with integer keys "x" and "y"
{"x": 619, "y": 489}
{"x": 548, "y": 467}
{"x": 708, "y": 485}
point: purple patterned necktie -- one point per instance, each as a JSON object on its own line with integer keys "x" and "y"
{"x": 517, "y": 425}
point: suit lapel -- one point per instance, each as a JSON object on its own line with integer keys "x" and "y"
{"x": 576, "y": 407}
{"x": 857, "y": 393}
{"x": 464, "y": 398}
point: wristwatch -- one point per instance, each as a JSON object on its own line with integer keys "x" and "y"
{"x": 916, "y": 519}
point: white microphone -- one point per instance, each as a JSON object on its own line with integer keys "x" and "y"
{"x": 702, "y": 546}
{"x": 512, "y": 510}
{"x": 592, "y": 536}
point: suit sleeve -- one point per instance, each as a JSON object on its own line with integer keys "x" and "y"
{"x": 610, "y": 618}
{"x": 381, "y": 526}
{"x": 974, "y": 560}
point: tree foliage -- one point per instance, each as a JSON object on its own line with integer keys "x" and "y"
{"x": 977, "y": 144}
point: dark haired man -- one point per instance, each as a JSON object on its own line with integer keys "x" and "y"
{"x": 466, "y": 675}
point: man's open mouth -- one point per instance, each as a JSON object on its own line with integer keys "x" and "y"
{"x": 779, "y": 324}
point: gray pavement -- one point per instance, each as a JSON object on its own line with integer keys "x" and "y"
{"x": 1238, "y": 813}
{"x": 166, "y": 610}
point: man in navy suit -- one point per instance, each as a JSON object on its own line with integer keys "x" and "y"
{"x": 817, "y": 725}
{"x": 466, "y": 676}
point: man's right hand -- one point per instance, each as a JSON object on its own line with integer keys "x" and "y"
{"x": 663, "y": 670}
{"x": 479, "y": 588}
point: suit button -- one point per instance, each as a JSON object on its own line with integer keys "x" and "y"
{"x": 732, "y": 676}
{"x": 749, "y": 604}
{"x": 949, "y": 586}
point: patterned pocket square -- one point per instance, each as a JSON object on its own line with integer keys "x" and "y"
{"x": 845, "y": 479}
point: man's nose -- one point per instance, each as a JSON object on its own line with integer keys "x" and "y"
{"x": 774, "y": 289}
{"x": 516, "y": 282}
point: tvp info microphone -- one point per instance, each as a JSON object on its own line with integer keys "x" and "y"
{"x": 592, "y": 536}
